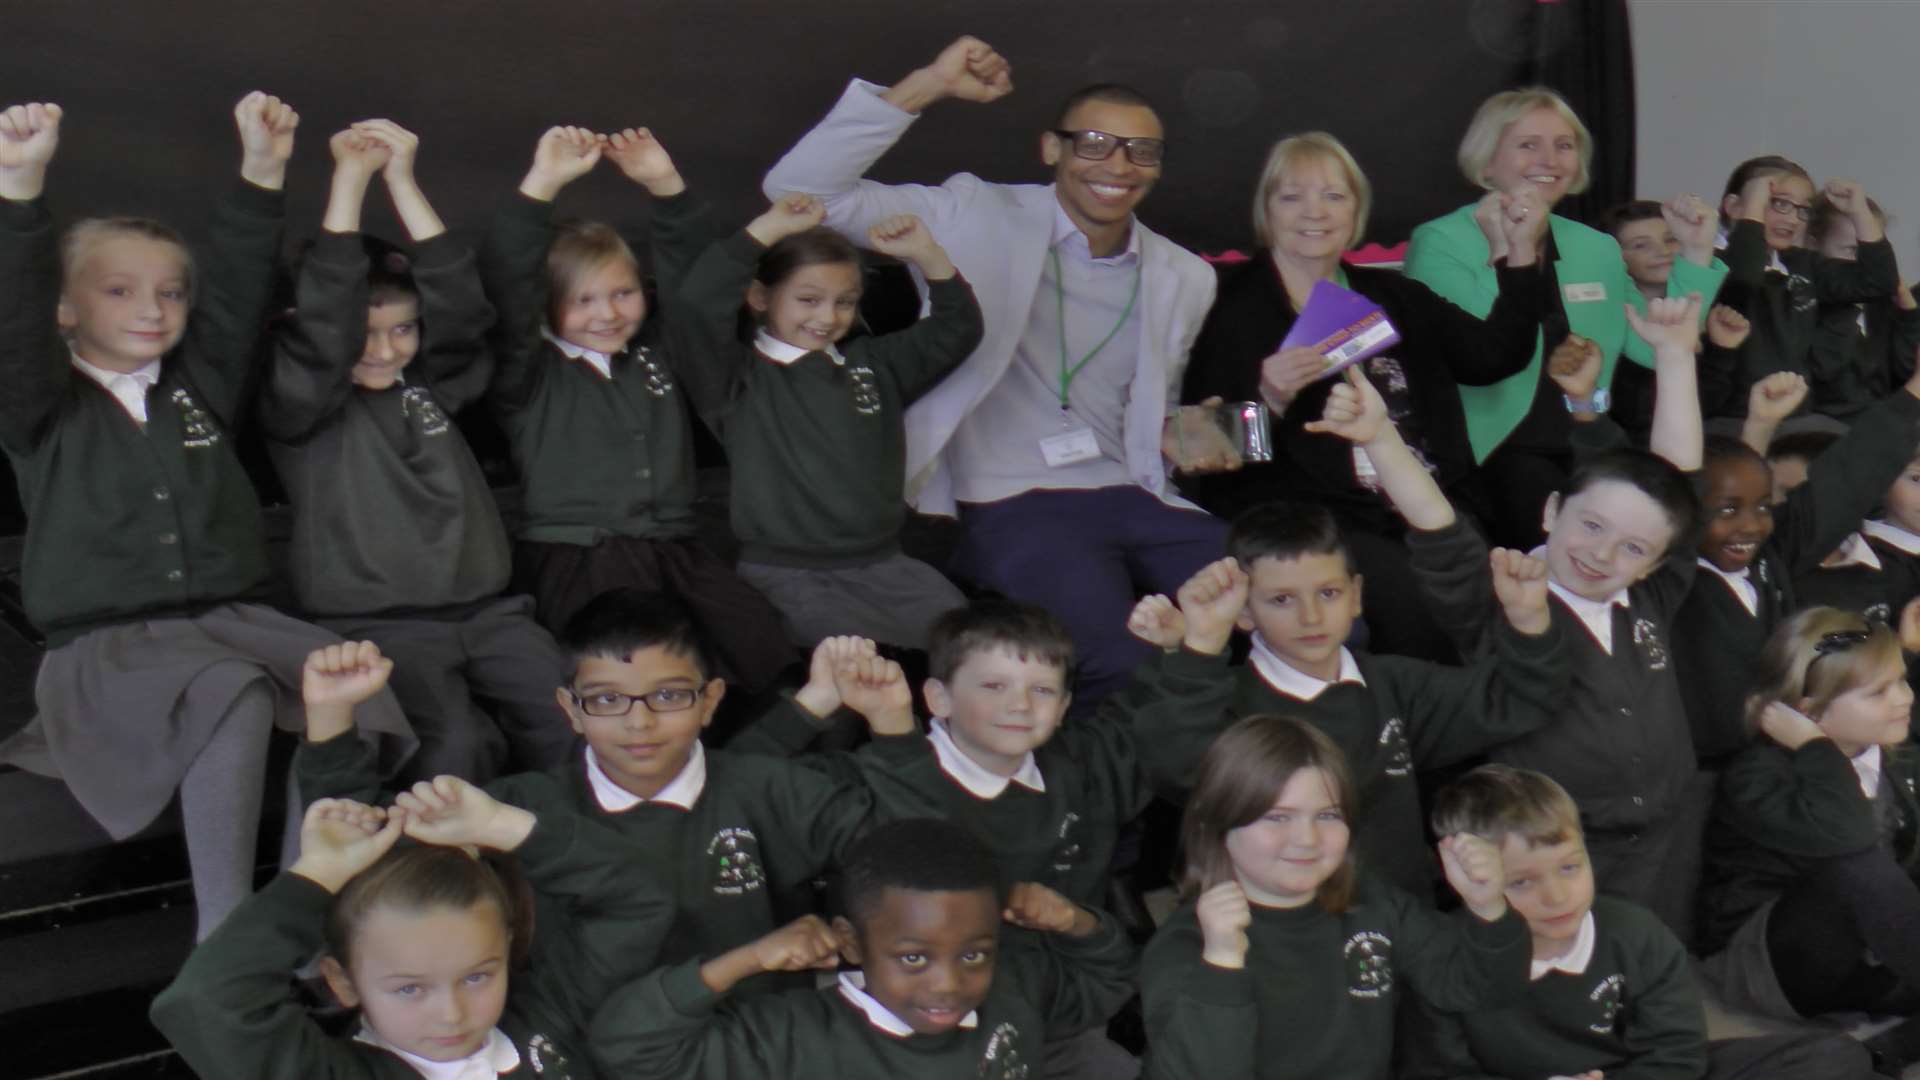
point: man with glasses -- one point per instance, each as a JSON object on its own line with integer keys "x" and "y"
{"x": 1049, "y": 440}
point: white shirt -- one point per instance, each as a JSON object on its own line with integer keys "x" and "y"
{"x": 601, "y": 362}
{"x": 853, "y": 987}
{"x": 970, "y": 774}
{"x": 1853, "y": 551}
{"x": 128, "y": 387}
{"x": 1866, "y": 765}
{"x": 1576, "y": 959}
{"x": 1893, "y": 535}
{"x": 1595, "y": 615}
{"x": 496, "y": 1056}
{"x": 1289, "y": 680}
{"x": 1741, "y": 584}
{"x": 682, "y": 791}
{"x": 783, "y": 354}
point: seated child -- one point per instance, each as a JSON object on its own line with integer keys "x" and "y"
{"x": 1860, "y": 349}
{"x": 1649, "y": 247}
{"x": 587, "y": 391}
{"x": 940, "y": 993}
{"x": 146, "y": 561}
{"x": 815, "y": 433}
{"x": 731, "y": 836}
{"x": 1286, "y": 962}
{"x": 1809, "y": 904}
{"x": 1288, "y": 581}
{"x": 396, "y": 538}
{"x": 1619, "y": 564}
{"x": 424, "y": 940}
{"x": 1611, "y": 992}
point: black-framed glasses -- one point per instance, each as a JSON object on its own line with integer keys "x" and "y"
{"x": 1100, "y": 145}
{"x": 668, "y": 699}
{"x": 1783, "y": 205}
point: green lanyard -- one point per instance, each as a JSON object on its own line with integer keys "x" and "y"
{"x": 1060, "y": 292}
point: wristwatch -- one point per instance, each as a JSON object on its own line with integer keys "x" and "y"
{"x": 1600, "y": 402}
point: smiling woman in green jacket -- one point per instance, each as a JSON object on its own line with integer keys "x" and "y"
{"x": 1528, "y": 150}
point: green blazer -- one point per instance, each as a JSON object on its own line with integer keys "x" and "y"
{"x": 1449, "y": 256}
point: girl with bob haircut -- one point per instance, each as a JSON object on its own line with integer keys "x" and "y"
{"x": 1286, "y": 961}
{"x": 1310, "y": 208}
{"x": 1528, "y": 150}
{"x": 1810, "y": 903}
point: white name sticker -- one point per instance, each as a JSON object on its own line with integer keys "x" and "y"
{"x": 1582, "y": 292}
{"x": 1069, "y": 448}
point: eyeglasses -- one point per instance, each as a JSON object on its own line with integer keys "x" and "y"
{"x": 670, "y": 699}
{"x": 1100, "y": 145}
{"x": 1783, "y": 205}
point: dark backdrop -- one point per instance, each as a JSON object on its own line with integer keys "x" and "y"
{"x": 729, "y": 84}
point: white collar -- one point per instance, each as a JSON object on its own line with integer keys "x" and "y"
{"x": 1741, "y": 582}
{"x": 601, "y": 362}
{"x": 1774, "y": 262}
{"x": 1893, "y": 536}
{"x": 1866, "y": 765}
{"x": 1576, "y": 959}
{"x": 129, "y": 388}
{"x": 973, "y": 776}
{"x": 1595, "y": 615}
{"x": 496, "y": 1056}
{"x": 1286, "y": 679}
{"x": 1853, "y": 551}
{"x": 1065, "y": 230}
{"x": 783, "y": 354}
{"x": 682, "y": 791}
{"x": 853, "y": 987}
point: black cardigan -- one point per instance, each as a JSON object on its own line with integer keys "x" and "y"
{"x": 1441, "y": 347}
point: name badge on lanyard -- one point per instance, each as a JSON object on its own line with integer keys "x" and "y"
{"x": 1076, "y": 444}
{"x": 1069, "y": 448}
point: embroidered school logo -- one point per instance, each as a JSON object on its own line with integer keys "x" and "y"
{"x": 654, "y": 377}
{"x": 418, "y": 406}
{"x": 1369, "y": 957}
{"x": 1395, "y": 756}
{"x": 1646, "y": 636}
{"x": 1068, "y": 851}
{"x": 197, "y": 429}
{"x": 866, "y": 391}
{"x": 1608, "y": 996}
{"x": 543, "y": 1056}
{"x": 1002, "y": 1060}
{"x": 1800, "y": 288}
{"x": 736, "y": 867}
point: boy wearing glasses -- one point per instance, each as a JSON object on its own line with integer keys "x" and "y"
{"x": 1047, "y": 441}
{"x": 735, "y": 837}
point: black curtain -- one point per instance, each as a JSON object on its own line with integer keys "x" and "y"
{"x": 1584, "y": 50}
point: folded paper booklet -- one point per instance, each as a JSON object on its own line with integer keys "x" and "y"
{"x": 1342, "y": 326}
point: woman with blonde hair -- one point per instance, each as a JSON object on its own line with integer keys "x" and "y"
{"x": 1309, "y": 209}
{"x": 1528, "y": 150}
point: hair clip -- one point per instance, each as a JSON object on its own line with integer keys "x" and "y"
{"x": 1840, "y": 641}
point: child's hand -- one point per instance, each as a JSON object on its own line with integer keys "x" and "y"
{"x": 877, "y": 689}
{"x": 357, "y": 154}
{"x": 644, "y": 160}
{"x": 970, "y": 70}
{"x": 344, "y": 674}
{"x": 1224, "y": 915}
{"x": 1156, "y": 621}
{"x": 1695, "y": 223}
{"x": 402, "y": 147}
{"x": 266, "y": 138}
{"x": 1755, "y": 194}
{"x": 29, "y": 135}
{"x": 821, "y": 696}
{"x": 1474, "y": 869}
{"x": 1032, "y": 906}
{"x": 1727, "y": 328}
{"x": 1287, "y": 372}
{"x": 804, "y": 944}
{"x": 1774, "y": 398}
{"x": 1670, "y": 323}
{"x": 1789, "y": 726}
{"x": 904, "y": 236}
{"x": 1354, "y": 411}
{"x": 563, "y": 155}
{"x": 1850, "y": 198}
{"x": 1211, "y": 602}
{"x": 339, "y": 838}
{"x": 1910, "y": 626}
{"x": 1574, "y": 366}
{"x": 452, "y": 812}
{"x": 1520, "y": 583}
{"x": 788, "y": 215}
